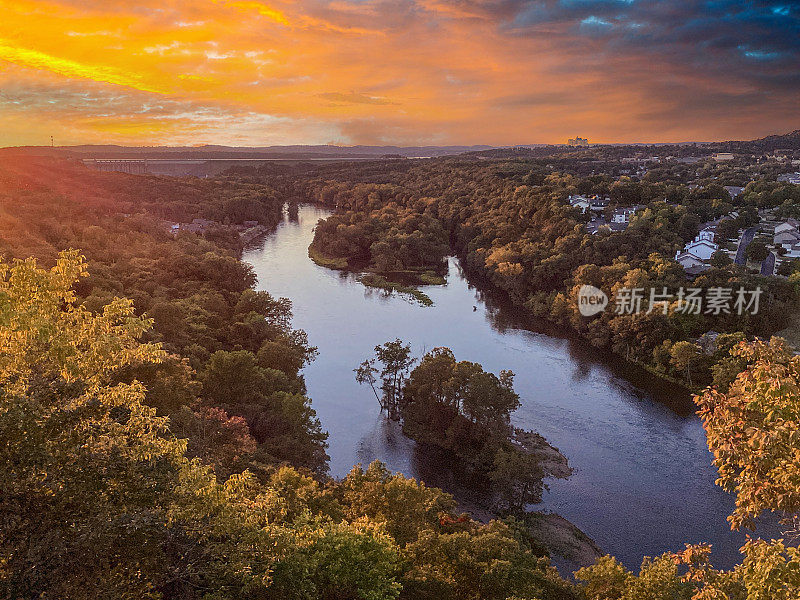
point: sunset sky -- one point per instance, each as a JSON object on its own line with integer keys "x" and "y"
{"x": 252, "y": 72}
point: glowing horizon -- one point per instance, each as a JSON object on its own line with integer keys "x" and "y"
{"x": 410, "y": 72}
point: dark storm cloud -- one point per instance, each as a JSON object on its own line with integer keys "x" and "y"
{"x": 758, "y": 40}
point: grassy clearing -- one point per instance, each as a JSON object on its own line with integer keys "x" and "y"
{"x": 322, "y": 260}
{"x": 431, "y": 278}
{"x": 377, "y": 281}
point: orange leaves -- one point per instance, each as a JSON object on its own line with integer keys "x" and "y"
{"x": 753, "y": 432}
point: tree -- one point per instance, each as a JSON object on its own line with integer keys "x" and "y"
{"x": 606, "y": 579}
{"x": 490, "y": 562}
{"x": 726, "y": 229}
{"x": 787, "y": 267}
{"x": 753, "y": 432}
{"x": 217, "y": 439}
{"x": 365, "y": 373}
{"x": 395, "y": 358}
{"x": 464, "y": 387}
{"x": 683, "y": 354}
{"x": 485, "y": 398}
{"x": 757, "y": 250}
{"x": 279, "y": 417}
{"x": 88, "y": 470}
{"x": 518, "y": 479}
{"x": 406, "y": 506}
{"x": 340, "y": 560}
{"x": 720, "y": 259}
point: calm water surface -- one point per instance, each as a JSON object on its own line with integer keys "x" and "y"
{"x": 643, "y": 481}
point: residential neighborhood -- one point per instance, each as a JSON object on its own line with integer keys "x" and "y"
{"x": 596, "y": 206}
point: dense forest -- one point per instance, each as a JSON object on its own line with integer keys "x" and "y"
{"x": 156, "y": 440}
{"x": 511, "y": 225}
{"x": 220, "y": 335}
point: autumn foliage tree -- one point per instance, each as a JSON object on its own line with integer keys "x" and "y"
{"x": 754, "y": 432}
{"x": 96, "y": 493}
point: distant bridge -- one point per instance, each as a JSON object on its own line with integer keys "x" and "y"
{"x": 123, "y": 165}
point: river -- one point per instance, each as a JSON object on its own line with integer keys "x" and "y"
{"x": 643, "y": 481}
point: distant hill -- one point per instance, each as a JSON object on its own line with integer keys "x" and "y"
{"x": 786, "y": 141}
{"x": 318, "y": 152}
{"x": 776, "y": 142}
{"x": 235, "y": 152}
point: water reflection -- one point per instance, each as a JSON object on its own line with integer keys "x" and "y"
{"x": 643, "y": 481}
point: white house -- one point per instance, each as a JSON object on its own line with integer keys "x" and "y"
{"x": 581, "y": 202}
{"x": 702, "y": 249}
{"x": 720, "y": 156}
{"x": 698, "y": 250}
{"x": 792, "y": 251}
{"x": 623, "y": 215}
{"x": 688, "y": 260}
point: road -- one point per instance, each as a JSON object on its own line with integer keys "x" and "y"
{"x": 744, "y": 242}
{"x": 768, "y": 266}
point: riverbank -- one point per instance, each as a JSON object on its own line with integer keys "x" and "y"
{"x": 570, "y": 548}
{"x": 329, "y": 262}
{"x": 643, "y": 483}
{"x": 404, "y": 283}
{"x": 555, "y": 328}
{"x": 374, "y": 280}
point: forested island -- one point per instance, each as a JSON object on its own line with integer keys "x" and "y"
{"x": 157, "y": 437}
{"x": 465, "y": 412}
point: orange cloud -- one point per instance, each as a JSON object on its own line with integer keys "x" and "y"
{"x": 410, "y": 71}
{"x": 260, "y": 8}
{"x": 70, "y": 68}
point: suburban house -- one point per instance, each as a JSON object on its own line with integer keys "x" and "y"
{"x": 792, "y": 251}
{"x": 623, "y": 215}
{"x": 699, "y": 250}
{"x": 733, "y": 190}
{"x": 790, "y": 178}
{"x": 587, "y": 203}
{"x": 688, "y": 260}
{"x": 581, "y": 202}
{"x": 786, "y": 233}
{"x": 596, "y": 225}
{"x": 599, "y": 203}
